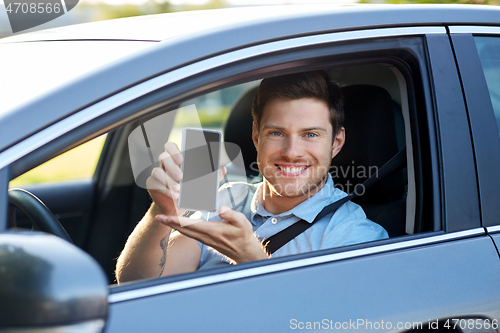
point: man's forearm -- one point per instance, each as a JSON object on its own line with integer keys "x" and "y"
{"x": 145, "y": 252}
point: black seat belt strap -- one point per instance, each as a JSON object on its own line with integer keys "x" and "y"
{"x": 279, "y": 239}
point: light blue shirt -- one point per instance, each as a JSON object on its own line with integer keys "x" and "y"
{"x": 347, "y": 226}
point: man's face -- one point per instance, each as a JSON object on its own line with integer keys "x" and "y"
{"x": 295, "y": 147}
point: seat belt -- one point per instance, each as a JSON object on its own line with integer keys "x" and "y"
{"x": 276, "y": 241}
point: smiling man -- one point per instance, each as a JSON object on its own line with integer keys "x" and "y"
{"x": 297, "y": 130}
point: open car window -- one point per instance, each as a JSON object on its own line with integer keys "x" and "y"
{"x": 375, "y": 114}
{"x": 377, "y": 111}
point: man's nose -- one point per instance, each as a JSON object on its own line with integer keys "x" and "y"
{"x": 293, "y": 148}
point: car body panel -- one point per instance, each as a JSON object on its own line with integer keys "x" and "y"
{"x": 56, "y": 64}
{"x": 413, "y": 285}
{"x": 496, "y": 238}
{"x": 271, "y": 22}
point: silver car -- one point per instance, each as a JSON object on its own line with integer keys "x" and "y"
{"x": 424, "y": 77}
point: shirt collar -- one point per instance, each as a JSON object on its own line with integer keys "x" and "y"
{"x": 256, "y": 206}
{"x": 307, "y": 210}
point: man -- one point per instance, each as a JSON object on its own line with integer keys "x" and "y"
{"x": 297, "y": 130}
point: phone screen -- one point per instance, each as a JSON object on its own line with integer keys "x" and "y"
{"x": 200, "y": 182}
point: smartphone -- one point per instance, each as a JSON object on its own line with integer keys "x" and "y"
{"x": 199, "y": 186}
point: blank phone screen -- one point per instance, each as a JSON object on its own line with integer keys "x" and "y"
{"x": 199, "y": 184}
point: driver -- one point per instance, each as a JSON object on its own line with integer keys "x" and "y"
{"x": 297, "y": 130}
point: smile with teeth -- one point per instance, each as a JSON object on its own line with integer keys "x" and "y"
{"x": 292, "y": 170}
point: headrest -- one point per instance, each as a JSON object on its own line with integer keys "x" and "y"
{"x": 371, "y": 140}
{"x": 238, "y": 130}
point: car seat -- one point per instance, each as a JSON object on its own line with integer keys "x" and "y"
{"x": 374, "y": 134}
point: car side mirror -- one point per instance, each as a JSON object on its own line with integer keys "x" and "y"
{"x": 49, "y": 284}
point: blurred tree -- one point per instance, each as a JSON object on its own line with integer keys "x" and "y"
{"x": 215, "y": 4}
{"x": 212, "y": 4}
{"x": 103, "y": 11}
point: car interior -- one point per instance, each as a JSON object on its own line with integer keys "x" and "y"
{"x": 100, "y": 213}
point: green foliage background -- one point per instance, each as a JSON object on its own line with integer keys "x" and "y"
{"x": 102, "y": 11}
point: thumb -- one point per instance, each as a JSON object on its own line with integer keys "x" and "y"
{"x": 227, "y": 214}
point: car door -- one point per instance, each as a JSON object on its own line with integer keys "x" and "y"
{"x": 443, "y": 274}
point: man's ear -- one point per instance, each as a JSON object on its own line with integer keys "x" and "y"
{"x": 255, "y": 135}
{"x": 338, "y": 142}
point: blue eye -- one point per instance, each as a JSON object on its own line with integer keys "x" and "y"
{"x": 274, "y": 133}
{"x": 311, "y": 135}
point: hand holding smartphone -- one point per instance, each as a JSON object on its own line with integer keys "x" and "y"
{"x": 200, "y": 183}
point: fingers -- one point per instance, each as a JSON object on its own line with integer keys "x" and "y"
{"x": 222, "y": 172}
{"x": 168, "y": 174}
{"x": 169, "y": 164}
{"x": 237, "y": 242}
{"x": 158, "y": 183}
{"x": 172, "y": 149}
{"x": 165, "y": 178}
{"x": 171, "y": 160}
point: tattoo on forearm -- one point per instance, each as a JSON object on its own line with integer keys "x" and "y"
{"x": 163, "y": 245}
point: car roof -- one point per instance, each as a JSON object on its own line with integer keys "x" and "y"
{"x": 311, "y": 18}
{"x": 185, "y": 38}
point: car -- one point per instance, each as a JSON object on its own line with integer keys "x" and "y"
{"x": 419, "y": 79}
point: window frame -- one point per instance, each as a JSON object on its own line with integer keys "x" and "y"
{"x": 484, "y": 130}
{"x": 307, "y": 258}
{"x": 459, "y": 197}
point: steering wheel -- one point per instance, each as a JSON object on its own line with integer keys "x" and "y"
{"x": 37, "y": 212}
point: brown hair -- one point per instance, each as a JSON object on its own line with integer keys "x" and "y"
{"x": 316, "y": 84}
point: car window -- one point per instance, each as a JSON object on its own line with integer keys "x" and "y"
{"x": 76, "y": 164}
{"x": 489, "y": 53}
{"x": 229, "y": 111}
{"x": 376, "y": 125}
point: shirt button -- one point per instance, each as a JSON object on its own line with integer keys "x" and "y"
{"x": 274, "y": 220}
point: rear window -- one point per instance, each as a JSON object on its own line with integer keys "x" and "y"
{"x": 488, "y": 49}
